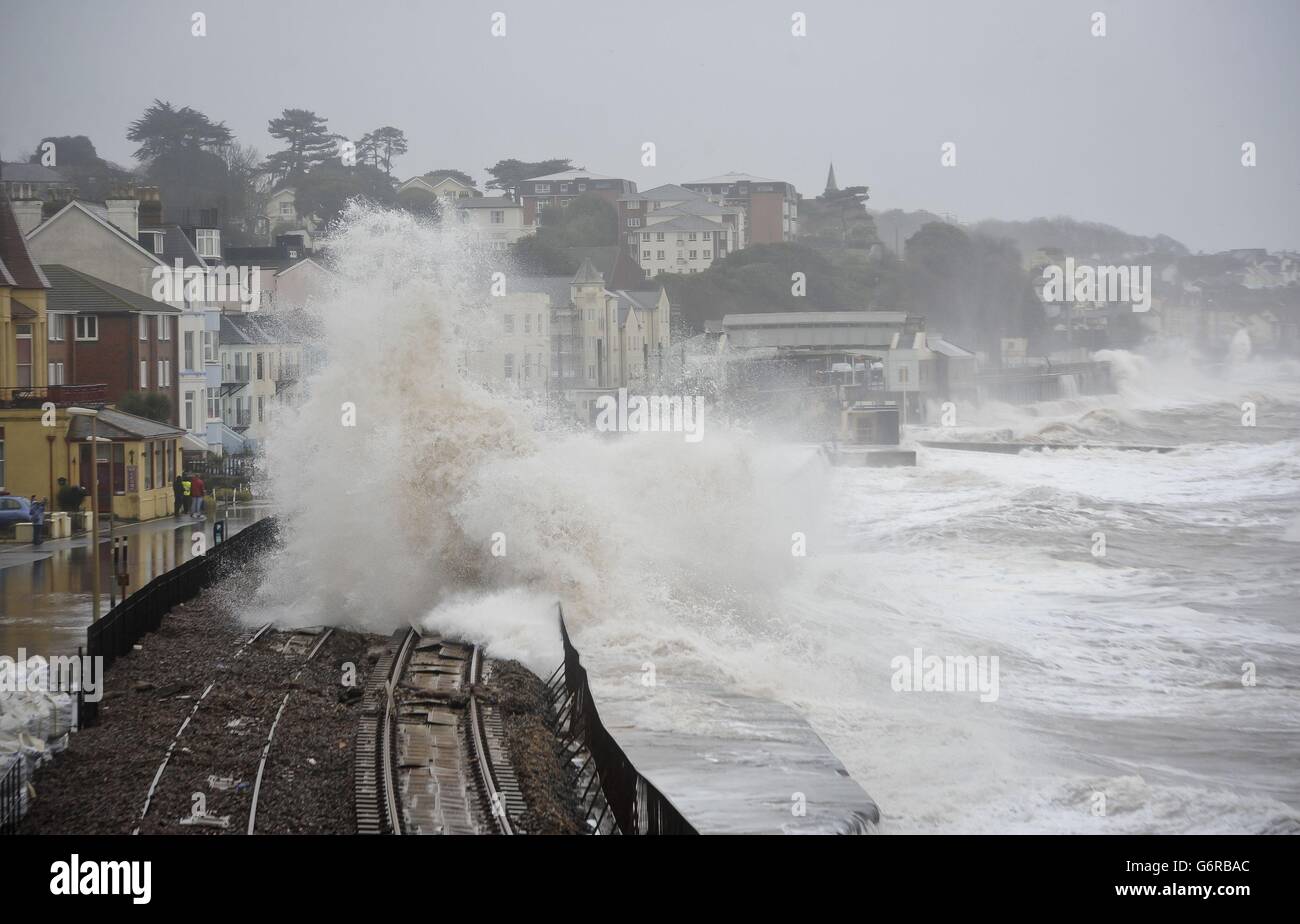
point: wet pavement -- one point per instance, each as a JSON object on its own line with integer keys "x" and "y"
{"x": 45, "y": 593}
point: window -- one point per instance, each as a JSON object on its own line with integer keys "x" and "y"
{"x": 708, "y": 254}
{"x": 144, "y": 326}
{"x": 509, "y": 321}
{"x": 148, "y": 465}
{"x": 56, "y": 326}
{"x": 164, "y": 327}
{"x": 55, "y": 374}
{"x": 634, "y": 204}
{"x": 498, "y": 216}
{"x": 210, "y": 347}
{"x": 510, "y": 366}
{"x": 695, "y": 254}
{"x": 208, "y": 242}
{"x": 259, "y": 367}
{"x": 286, "y": 209}
{"x": 541, "y": 188}
{"x": 659, "y": 236}
{"x": 645, "y": 255}
{"x": 187, "y": 360}
{"x": 645, "y": 236}
{"x": 591, "y": 372}
{"x": 214, "y": 407}
{"x": 158, "y": 243}
{"x": 260, "y": 412}
{"x": 528, "y": 365}
{"x": 659, "y": 255}
{"x": 528, "y": 329}
{"x": 691, "y": 236}
{"x": 24, "y": 335}
{"x": 649, "y": 274}
{"x": 634, "y": 222}
{"x": 189, "y": 410}
{"x": 144, "y": 373}
{"x": 902, "y": 375}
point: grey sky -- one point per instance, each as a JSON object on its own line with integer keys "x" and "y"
{"x": 1141, "y": 129}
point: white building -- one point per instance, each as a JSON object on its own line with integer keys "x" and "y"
{"x": 601, "y": 339}
{"x": 261, "y": 363}
{"x": 282, "y": 217}
{"x": 446, "y": 191}
{"x": 513, "y": 346}
{"x": 494, "y": 221}
{"x": 671, "y": 229}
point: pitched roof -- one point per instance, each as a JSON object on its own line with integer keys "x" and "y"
{"x": 16, "y": 266}
{"x": 487, "y": 202}
{"x": 570, "y": 175}
{"x": 177, "y": 246}
{"x": 670, "y": 192}
{"x": 556, "y": 287}
{"x": 97, "y": 213}
{"x": 73, "y": 290}
{"x": 30, "y": 173}
{"x": 732, "y": 178}
{"x": 684, "y": 223}
{"x": 119, "y": 425}
{"x": 254, "y": 327}
{"x": 588, "y": 274}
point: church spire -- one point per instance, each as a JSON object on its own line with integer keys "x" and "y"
{"x": 830, "y": 180}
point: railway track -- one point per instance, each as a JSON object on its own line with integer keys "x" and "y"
{"x": 303, "y": 645}
{"x": 431, "y": 755}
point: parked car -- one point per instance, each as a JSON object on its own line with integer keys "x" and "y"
{"x": 14, "y": 510}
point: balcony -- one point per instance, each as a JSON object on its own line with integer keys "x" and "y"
{"x": 58, "y": 395}
{"x": 286, "y": 376}
{"x": 233, "y": 378}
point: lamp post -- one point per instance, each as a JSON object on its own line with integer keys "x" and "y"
{"x": 94, "y": 502}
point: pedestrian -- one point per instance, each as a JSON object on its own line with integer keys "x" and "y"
{"x": 38, "y": 521}
{"x": 187, "y": 485}
{"x": 196, "y": 496}
{"x": 178, "y": 491}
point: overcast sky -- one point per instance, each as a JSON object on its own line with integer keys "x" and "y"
{"x": 1141, "y": 129}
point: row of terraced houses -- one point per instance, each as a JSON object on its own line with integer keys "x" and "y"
{"x": 82, "y": 323}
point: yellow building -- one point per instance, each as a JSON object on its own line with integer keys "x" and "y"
{"x": 40, "y": 443}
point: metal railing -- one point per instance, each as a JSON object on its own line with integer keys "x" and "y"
{"x": 142, "y": 612}
{"x": 11, "y": 796}
{"x": 637, "y": 806}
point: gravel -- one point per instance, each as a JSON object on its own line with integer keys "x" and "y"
{"x": 545, "y": 778}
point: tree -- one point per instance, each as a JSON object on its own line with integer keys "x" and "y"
{"x": 587, "y": 221}
{"x": 307, "y": 143}
{"x": 508, "y": 174}
{"x": 151, "y": 404}
{"x": 163, "y": 129}
{"x": 327, "y": 189}
{"x": 434, "y": 177}
{"x": 381, "y": 146}
{"x": 80, "y": 164}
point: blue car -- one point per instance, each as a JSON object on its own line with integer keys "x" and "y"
{"x": 14, "y": 510}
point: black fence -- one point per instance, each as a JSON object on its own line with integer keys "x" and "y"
{"x": 11, "y": 796}
{"x": 637, "y": 806}
{"x": 123, "y": 625}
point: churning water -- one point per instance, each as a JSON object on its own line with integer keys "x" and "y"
{"x": 1120, "y": 675}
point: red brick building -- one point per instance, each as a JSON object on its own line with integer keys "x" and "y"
{"x": 557, "y": 189}
{"x": 771, "y": 206}
{"x": 102, "y": 333}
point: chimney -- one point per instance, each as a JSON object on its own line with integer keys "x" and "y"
{"x": 151, "y": 212}
{"x": 27, "y": 212}
{"x": 125, "y": 213}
